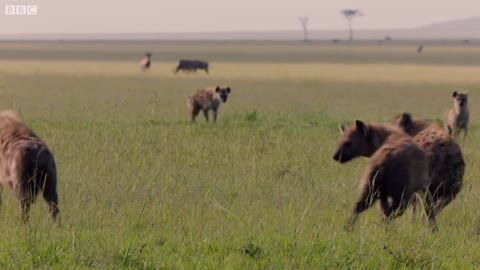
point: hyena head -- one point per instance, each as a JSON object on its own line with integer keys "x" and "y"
{"x": 223, "y": 93}
{"x": 460, "y": 100}
{"x": 356, "y": 140}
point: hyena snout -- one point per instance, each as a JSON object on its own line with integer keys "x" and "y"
{"x": 224, "y": 98}
{"x": 342, "y": 155}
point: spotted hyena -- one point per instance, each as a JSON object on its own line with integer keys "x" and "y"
{"x": 457, "y": 117}
{"x": 444, "y": 156}
{"x": 26, "y": 165}
{"x": 146, "y": 62}
{"x": 207, "y": 99}
{"x": 397, "y": 168}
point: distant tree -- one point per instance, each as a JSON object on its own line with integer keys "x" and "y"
{"x": 304, "y": 23}
{"x": 349, "y": 14}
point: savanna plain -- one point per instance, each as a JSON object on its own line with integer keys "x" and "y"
{"x": 140, "y": 187}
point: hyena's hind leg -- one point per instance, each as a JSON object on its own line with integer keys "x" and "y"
{"x": 205, "y": 112}
{"x": 194, "y": 112}
{"x": 25, "y": 198}
{"x": 366, "y": 200}
{"x": 50, "y": 193}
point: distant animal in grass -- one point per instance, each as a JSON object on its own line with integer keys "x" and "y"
{"x": 26, "y": 165}
{"x": 446, "y": 165}
{"x": 457, "y": 118}
{"x": 420, "y": 49}
{"x": 192, "y": 65}
{"x": 146, "y": 62}
{"x": 207, "y": 99}
{"x": 397, "y": 169}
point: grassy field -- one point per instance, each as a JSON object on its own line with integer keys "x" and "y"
{"x": 142, "y": 188}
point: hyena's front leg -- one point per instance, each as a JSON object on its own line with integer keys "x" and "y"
{"x": 215, "y": 112}
{"x": 205, "y": 112}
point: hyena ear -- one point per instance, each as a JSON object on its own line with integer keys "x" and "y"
{"x": 454, "y": 94}
{"x": 362, "y": 127}
{"x": 217, "y": 89}
{"x": 228, "y": 90}
{"x": 406, "y": 122}
{"x": 341, "y": 128}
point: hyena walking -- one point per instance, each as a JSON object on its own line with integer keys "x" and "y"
{"x": 444, "y": 156}
{"x": 26, "y": 165}
{"x": 457, "y": 117}
{"x": 207, "y": 99}
{"x": 397, "y": 168}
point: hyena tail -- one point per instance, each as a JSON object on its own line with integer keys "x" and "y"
{"x": 190, "y": 104}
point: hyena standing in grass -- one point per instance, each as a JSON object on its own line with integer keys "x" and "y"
{"x": 397, "y": 169}
{"x": 26, "y": 165}
{"x": 457, "y": 117}
{"x": 207, "y": 99}
{"x": 146, "y": 62}
{"x": 444, "y": 156}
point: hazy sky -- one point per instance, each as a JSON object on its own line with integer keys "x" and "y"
{"x": 94, "y": 16}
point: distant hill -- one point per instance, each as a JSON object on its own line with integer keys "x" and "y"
{"x": 463, "y": 29}
{"x": 470, "y": 24}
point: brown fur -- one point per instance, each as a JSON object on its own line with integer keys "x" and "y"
{"x": 26, "y": 164}
{"x": 207, "y": 99}
{"x": 457, "y": 117}
{"x": 397, "y": 168}
{"x": 445, "y": 160}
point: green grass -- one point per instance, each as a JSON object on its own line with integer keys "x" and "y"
{"x": 142, "y": 188}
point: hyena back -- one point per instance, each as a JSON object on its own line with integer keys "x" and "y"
{"x": 446, "y": 165}
{"x": 397, "y": 169}
{"x": 457, "y": 117}
{"x": 26, "y": 165}
{"x": 207, "y": 99}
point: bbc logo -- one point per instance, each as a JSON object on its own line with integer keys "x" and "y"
{"x": 21, "y": 10}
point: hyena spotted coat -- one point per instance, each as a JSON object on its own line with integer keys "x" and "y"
{"x": 397, "y": 168}
{"x": 446, "y": 165}
{"x": 457, "y": 117}
{"x": 207, "y": 99}
{"x": 26, "y": 165}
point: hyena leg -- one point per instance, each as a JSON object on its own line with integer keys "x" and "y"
{"x": 25, "y": 200}
{"x": 430, "y": 211}
{"x": 195, "y": 111}
{"x": 450, "y": 130}
{"x": 369, "y": 194}
{"x": 50, "y": 193}
{"x": 365, "y": 201}
{"x": 395, "y": 209}
{"x": 51, "y": 197}
{"x": 413, "y": 203}
{"x": 465, "y": 133}
{"x": 215, "y": 112}
{"x": 205, "y": 112}
{"x": 441, "y": 203}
